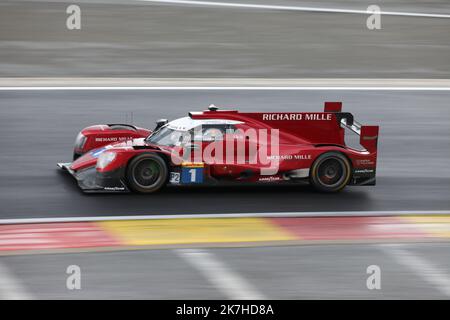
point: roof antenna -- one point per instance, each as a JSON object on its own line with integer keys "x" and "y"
{"x": 212, "y": 108}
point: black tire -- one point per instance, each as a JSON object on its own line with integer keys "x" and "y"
{"x": 147, "y": 173}
{"x": 331, "y": 172}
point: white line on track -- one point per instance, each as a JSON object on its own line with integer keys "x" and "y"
{"x": 229, "y": 88}
{"x": 228, "y": 215}
{"x": 356, "y": 88}
{"x": 296, "y": 8}
{"x": 231, "y": 284}
{"x": 222, "y": 84}
{"x": 420, "y": 266}
{"x": 10, "y": 286}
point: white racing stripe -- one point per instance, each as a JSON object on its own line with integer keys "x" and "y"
{"x": 232, "y": 285}
{"x": 423, "y": 268}
{"x": 296, "y": 8}
{"x": 10, "y": 286}
{"x": 228, "y": 215}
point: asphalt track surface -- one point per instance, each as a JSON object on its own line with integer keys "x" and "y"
{"x": 121, "y": 38}
{"x": 38, "y": 128}
{"x": 408, "y": 271}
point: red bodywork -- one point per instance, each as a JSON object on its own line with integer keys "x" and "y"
{"x": 104, "y": 134}
{"x": 303, "y": 137}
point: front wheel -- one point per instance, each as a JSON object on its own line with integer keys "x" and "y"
{"x": 330, "y": 172}
{"x": 147, "y": 173}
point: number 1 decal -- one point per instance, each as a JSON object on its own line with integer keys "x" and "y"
{"x": 192, "y": 175}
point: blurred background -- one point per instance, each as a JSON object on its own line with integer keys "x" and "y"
{"x": 330, "y": 246}
{"x": 126, "y": 38}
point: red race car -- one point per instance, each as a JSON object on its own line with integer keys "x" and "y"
{"x": 222, "y": 146}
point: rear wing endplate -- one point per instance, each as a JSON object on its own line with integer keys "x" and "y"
{"x": 368, "y": 134}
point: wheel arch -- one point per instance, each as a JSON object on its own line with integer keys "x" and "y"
{"x": 339, "y": 149}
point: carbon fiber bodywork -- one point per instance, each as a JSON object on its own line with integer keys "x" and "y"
{"x": 89, "y": 180}
{"x": 363, "y": 177}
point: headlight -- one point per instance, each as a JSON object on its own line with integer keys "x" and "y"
{"x": 80, "y": 141}
{"x": 105, "y": 158}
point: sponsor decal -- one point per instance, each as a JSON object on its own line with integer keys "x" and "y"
{"x": 114, "y": 188}
{"x": 175, "y": 177}
{"x": 364, "y": 171}
{"x": 270, "y": 178}
{"x": 112, "y": 139}
{"x": 191, "y": 174}
{"x": 291, "y": 157}
{"x": 193, "y": 164}
{"x": 365, "y": 162}
{"x": 296, "y": 116}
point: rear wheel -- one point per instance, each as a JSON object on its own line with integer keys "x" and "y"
{"x": 147, "y": 173}
{"x": 330, "y": 172}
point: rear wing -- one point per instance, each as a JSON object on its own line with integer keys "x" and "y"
{"x": 368, "y": 134}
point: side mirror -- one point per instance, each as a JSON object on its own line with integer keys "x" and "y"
{"x": 160, "y": 123}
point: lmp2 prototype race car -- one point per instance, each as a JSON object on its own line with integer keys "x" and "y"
{"x": 222, "y": 146}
